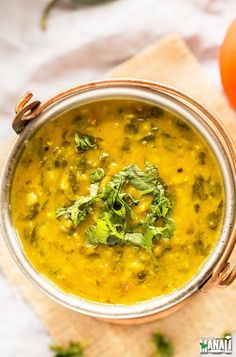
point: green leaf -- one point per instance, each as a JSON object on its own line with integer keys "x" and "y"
{"x": 112, "y": 227}
{"x": 97, "y": 175}
{"x": 72, "y": 350}
{"x": 44, "y": 18}
{"x": 53, "y": 3}
{"x": 84, "y": 142}
{"x": 199, "y": 188}
{"x": 149, "y": 234}
{"x": 168, "y": 228}
{"x": 105, "y": 232}
{"x": 79, "y": 210}
{"x": 214, "y": 218}
{"x": 135, "y": 238}
{"x": 114, "y": 240}
{"x": 161, "y": 204}
{"x": 161, "y": 232}
{"x": 97, "y": 234}
{"x": 119, "y": 203}
{"x": 164, "y": 347}
{"x": 145, "y": 182}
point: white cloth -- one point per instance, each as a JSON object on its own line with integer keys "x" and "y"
{"x": 83, "y": 43}
{"x": 79, "y": 45}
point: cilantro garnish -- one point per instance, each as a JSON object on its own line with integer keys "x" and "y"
{"x": 111, "y": 227}
{"x": 78, "y": 211}
{"x": 164, "y": 347}
{"x": 97, "y": 175}
{"x": 72, "y": 350}
{"x": 84, "y": 142}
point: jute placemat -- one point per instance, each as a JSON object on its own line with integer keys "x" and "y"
{"x": 171, "y": 62}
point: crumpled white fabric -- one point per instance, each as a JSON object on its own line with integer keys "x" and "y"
{"x": 81, "y": 45}
{"x": 84, "y": 43}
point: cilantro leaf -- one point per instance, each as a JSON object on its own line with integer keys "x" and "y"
{"x": 120, "y": 203}
{"x": 160, "y": 232}
{"x": 97, "y": 175}
{"x": 97, "y": 234}
{"x": 84, "y": 142}
{"x": 135, "y": 238}
{"x": 161, "y": 204}
{"x": 164, "y": 347}
{"x": 72, "y": 350}
{"x": 199, "y": 188}
{"x": 79, "y": 210}
{"x": 105, "y": 232}
{"x": 142, "y": 181}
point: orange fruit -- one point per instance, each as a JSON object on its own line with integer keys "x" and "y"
{"x": 228, "y": 64}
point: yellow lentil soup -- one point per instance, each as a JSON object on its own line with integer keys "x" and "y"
{"x": 117, "y": 201}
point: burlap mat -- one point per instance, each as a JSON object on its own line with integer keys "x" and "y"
{"x": 171, "y": 62}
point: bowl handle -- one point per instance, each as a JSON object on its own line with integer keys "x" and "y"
{"x": 24, "y": 112}
{"x": 223, "y": 274}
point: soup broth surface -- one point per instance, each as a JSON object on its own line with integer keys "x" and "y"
{"x": 88, "y": 146}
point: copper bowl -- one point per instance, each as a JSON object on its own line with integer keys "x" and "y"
{"x": 216, "y": 270}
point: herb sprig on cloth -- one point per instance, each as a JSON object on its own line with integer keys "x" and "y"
{"x": 53, "y": 3}
{"x": 74, "y": 349}
{"x": 164, "y": 347}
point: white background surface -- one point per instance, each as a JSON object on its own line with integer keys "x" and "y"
{"x": 82, "y": 44}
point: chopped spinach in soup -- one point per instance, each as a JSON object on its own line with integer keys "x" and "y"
{"x": 117, "y": 201}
